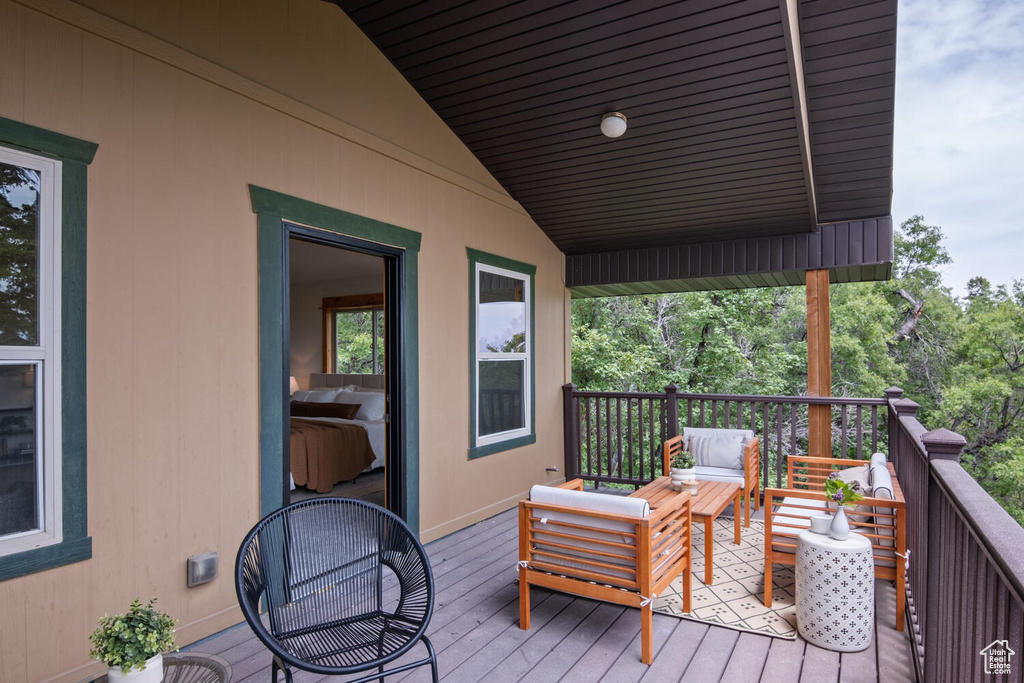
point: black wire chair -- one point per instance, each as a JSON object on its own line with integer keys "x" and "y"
{"x": 345, "y": 588}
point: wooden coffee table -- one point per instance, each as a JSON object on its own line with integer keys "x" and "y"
{"x": 711, "y": 500}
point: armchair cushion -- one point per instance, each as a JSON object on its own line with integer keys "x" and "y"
{"x": 589, "y": 540}
{"x": 720, "y": 474}
{"x": 717, "y": 447}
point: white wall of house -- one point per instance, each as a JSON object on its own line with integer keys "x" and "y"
{"x": 190, "y": 102}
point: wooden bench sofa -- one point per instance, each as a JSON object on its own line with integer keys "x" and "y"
{"x": 882, "y": 518}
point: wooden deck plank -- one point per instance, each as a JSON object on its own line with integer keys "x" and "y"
{"x": 460, "y": 645}
{"x": 678, "y": 651}
{"x": 820, "y": 665}
{"x": 603, "y": 654}
{"x": 448, "y": 547}
{"x": 495, "y": 641}
{"x": 475, "y": 629}
{"x": 893, "y": 647}
{"x": 784, "y": 661}
{"x": 466, "y": 536}
{"x": 747, "y": 660}
{"x": 861, "y": 667}
{"x": 567, "y": 653}
{"x": 628, "y": 666}
{"x": 712, "y": 657}
{"x": 517, "y": 664}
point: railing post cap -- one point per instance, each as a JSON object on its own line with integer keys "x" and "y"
{"x": 570, "y": 387}
{"x": 893, "y": 393}
{"x": 905, "y": 406}
{"x": 943, "y": 444}
{"x": 672, "y": 389}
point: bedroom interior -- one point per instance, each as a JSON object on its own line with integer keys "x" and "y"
{"x": 337, "y": 443}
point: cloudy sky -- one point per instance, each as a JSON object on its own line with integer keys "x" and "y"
{"x": 959, "y": 145}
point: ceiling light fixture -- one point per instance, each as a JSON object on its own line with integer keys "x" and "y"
{"x": 613, "y": 124}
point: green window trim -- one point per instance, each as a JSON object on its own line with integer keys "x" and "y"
{"x": 528, "y": 272}
{"x": 75, "y": 156}
{"x": 273, "y": 210}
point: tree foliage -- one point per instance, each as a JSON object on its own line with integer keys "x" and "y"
{"x": 19, "y": 241}
{"x": 961, "y": 359}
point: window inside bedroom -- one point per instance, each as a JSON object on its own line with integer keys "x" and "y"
{"x": 30, "y": 348}
{"x": 358, "y": 339}
{"x": 502, "y": 354}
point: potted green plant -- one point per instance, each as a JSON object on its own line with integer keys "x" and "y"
{"x": 843, "y": 494}
{"x": 682, "y": 469}
{"x": 132, "y": 644}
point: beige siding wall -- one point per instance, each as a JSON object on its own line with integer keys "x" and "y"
{"x": 172, "y": 295}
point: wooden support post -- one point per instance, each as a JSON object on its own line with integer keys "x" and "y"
{"x": 819, "y": 364}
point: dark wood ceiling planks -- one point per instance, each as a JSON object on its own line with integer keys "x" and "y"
{"x": 713, "y": 149}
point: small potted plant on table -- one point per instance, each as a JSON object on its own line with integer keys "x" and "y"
{"x": 682, "y": 471}
{"x": 132, "y": 644}
{"x": 842, "y": 494}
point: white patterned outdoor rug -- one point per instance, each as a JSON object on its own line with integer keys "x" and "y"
{"x": 736, "y": 597}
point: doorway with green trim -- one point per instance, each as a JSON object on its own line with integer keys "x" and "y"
{"x": 338, "y": 350}
{"x": 382, "y": 391}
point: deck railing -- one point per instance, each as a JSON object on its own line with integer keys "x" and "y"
{"x": 616, "y": 437}
{"x": 965, "y": 578}
{"x": 965, "y": 568}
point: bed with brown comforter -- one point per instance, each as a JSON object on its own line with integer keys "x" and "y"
{"x": 325, "y": 453}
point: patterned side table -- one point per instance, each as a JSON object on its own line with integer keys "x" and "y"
{"x": 835, "y": 591}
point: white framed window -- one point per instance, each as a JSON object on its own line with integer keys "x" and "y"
{"x": 502, "y": 343}
{"x": 30, "y": 352}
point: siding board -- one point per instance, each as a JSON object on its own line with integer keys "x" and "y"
{"x": 849, "y": 250}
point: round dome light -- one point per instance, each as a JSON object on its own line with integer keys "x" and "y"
{"x": 613, "y": 124}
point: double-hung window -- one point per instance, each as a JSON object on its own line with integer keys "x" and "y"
{"x": 30, "y": 209}
{"x": 42, "y": 349}
{"x": 501, "y": 338}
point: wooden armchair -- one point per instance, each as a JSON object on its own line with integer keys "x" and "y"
{"x": 882, "y": 518}
{"x": 714, "y": 467}
{"x": 604, "y": 547}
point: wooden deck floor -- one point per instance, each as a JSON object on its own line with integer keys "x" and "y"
{"x": 475, "y": 629}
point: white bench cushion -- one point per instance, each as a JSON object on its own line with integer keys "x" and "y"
{"x": 881, "y": 484}
{"x": 799, "y": 517}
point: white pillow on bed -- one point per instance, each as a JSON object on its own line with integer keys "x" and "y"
{"x": 371, "y": 404}
{"x": 316, "y": 396}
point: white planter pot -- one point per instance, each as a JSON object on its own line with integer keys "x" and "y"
{"x": 688, "y": 474}
{"x": 681, "y": 477}
{"x": 153, "y": 672}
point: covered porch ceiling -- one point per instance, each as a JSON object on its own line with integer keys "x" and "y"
{"x": 753, "y": 125}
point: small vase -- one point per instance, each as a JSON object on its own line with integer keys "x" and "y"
{"x": 153, "y": 672}
{"x": 840, "y": 528}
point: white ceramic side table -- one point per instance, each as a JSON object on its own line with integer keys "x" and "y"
{"x": 835, "y": 591}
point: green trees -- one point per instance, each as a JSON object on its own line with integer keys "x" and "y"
{"x": 19, "y": 245}
{"x": 962, "y": 359}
